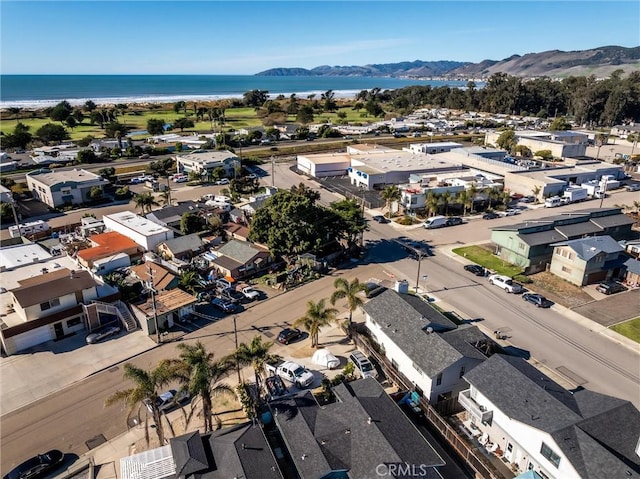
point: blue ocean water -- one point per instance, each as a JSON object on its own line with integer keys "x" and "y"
{"x": 45, "y": 90}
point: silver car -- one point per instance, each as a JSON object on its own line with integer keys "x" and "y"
{"x": 102, "y": 334}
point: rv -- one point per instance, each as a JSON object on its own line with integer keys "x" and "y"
{"x": 553, "y": 202}
{"x": 25, "y": 229}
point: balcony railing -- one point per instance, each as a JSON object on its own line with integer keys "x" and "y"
{"x": 473, "y": 408}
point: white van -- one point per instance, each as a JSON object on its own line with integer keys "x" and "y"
{"x": 435, "y": 222}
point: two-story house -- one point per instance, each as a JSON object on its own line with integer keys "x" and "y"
{"x": 535, "y": 424}
{"x": 423, "y": 345}
{"x": 588, "y": 260}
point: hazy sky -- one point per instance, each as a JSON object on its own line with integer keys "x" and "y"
{"x": 242, "y": 37}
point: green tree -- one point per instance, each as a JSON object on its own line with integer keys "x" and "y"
{"x": 546, "y": 155}
{"x": 255, "y": 98}
{"x": 116, "y": 130}
{"x": 255, "y": 354}
{"x": 78, "y": 115}
{"x": 50, "y": 132}
{"x": 183, "y": 123}
{"x": 390, "y": 194}
{"x": 305, "y": 114}
{"x": 61, "y": 111}
{"x": 328, "y": 98}
{"x": 431, "y": 202}
{"x": 523, "y": 151}
{"x": 445, "y": 200}
{"x": 189, "y": 281}
{"x": 507, "y": 140}
{"x": 179, "y": 106}
{"x": 108, "y": 173}
{"x": 163, "y": 168}
{"x": 316, "y": 317}
{"x": 20, "y": 137}
{"x": 200, "y": 374}
{"x": 71, "y": 122}
{"x": 350, "y": 291}
{"x": 89, "y": 106}
{"x": 95, "y": 193}
{"x": 155, "y": 126}
{"x": 559, "y": 124}
{"x": 352, "y": 218}
{"x": 87, "y": 156}
{"x": 189, "y": 223}
{"x": 146, "y": 385}
{"x": 145, "y": 201}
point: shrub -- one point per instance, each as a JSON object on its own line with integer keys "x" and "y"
{"x": 521, "y": 278}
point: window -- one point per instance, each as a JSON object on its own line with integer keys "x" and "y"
{"x": 73, "y": 322}
{"x": 521, "y": 245}
{"x": 394, "y": 364}
{"x": 49, "y": 304}
{"x": 550, "y": 455}
{"x": 439, "y": 379}
{"x": 461, "y": 371}
{"x": 566, "y": 270}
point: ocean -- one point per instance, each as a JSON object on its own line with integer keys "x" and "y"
{"x": 33, "y": 91}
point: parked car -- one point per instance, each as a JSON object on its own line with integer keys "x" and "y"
{"x": 537, "y": 300}
{"x": 454, "y": 220}
{"x": 380, "y": 219}
{"x": 102, "y": 334}
{"x": 226, "y": 306}
{"x": 528, "y": 199}
{"x": 511, "y": 212}
{"x": 223, "y": 181}
{"x": 144, "y": 156}
{"x": 37, "y": 466}
{"x": 232, "y": 295}
{"x": 363, "y": 366}
{"x": 506, "y": 283}
{"x": 169, "y": 399}
{"x": 633, "y": 187}
{"x": 610, "y": 287}
{"x": 475, "y": 269}
{"x": 490, "y": 215}
{"x": 288, "y": 335}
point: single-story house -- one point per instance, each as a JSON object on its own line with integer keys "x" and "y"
{"x": 162, "y": 278}
{"x": 181, "y": 247}
{"x": 108, "y": 245}
{"x": 239, "y": 259}
{"x": 170, "y": 307}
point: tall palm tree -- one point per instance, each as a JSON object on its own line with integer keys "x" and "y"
{"x": 189, "y": 281}
{"x": 164, "y": 169}
{"x": 145, "y": 201}
{"x": 256, "y": 354}
{"x": 316, "y": 317}
{"x": 390, "y": 194}
{"x": 473, "y": 189}
{"x": 492, "y": 194}
{"x": 348, "y": 291}
{"x": 431, "y": 202}
{"x": 200, "y": 375}
{"x": 445, "y": 200}
{"x": 144, "y": 391}
{"x": 462, "y": 198}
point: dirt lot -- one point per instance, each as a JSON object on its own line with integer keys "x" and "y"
{"x": 558, "y": 290}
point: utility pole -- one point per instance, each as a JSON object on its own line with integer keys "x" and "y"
{"x": 152, "y": 289}
{"x": 15, "y": 216}
{"x": 273, "y": 171}
{"x": 604, "y": 193}
{"x": 235, "y": 335}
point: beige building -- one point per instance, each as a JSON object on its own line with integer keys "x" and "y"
{"x": 65, "y": 187}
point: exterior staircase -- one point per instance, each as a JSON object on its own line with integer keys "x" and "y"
{"x": 117, "y": 308}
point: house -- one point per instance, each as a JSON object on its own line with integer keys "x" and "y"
{"x": 535, "y": 424}
{"x": 239, "y": 259}
{"x": 631, "y": 268}
{"x": 237, "y": 231}
{"x": 182, "y": 247}
{"x": 423, "y": 345}
{"x": 165, "y": 310}
{"x": 529, "y": 244}
{"x": 363, "y": 434}
{"x": 240, "y": 451}
{"x": 107, "y": 246}
{"x": 163, "y": 279}
{"x": 205, "y": 162}
{"x": 144, "y": 232}
{"x": 172, "y": 215}
{"x": 63, "y": 187}
{"x": 5, "y": 195}
{"x": 45, "y": 297}
{"x": 588, "y": 260}
{"x": 108, "y": 144}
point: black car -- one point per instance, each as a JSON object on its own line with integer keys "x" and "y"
{"x": 289, "y": 334}
{"x": 37, "y": 466}
{"x": 454, "y": 220}
{"x": 380, "y": 219}
{"x": 537, "y": 300}
{"x": 490, "y": 216}
{"x": 475, "y": 269}
{"x": 610, "y": 287}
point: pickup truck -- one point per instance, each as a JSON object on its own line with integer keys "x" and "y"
{"x": 291, "y": 372}
{"x": 250, "y": 293}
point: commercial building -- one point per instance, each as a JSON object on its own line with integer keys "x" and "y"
{"x": 561, "y": 144}
{"x": 144, "y": 232}
{"x": 65, "y": 187}
{"x": 204, "y": 162}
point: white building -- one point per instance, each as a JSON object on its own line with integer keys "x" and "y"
{"x": 422, "y": 344}
{"x": 433, "y": 148}
{"x": 5, "y": 195}
{"x": 141, "y": 230}
{"x": 204, "y": 162}
{"x": 68, "y": 187}
{"x": 562, "y": 144}
{"x": 535, "y": 424}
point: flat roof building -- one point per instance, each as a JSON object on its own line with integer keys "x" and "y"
{"x": 64, "y": 187}
{"x": 144, "y": 232}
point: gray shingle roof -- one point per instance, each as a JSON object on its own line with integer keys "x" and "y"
{"x": 597, "y": 433}
{"x": 632, "y": 265}
{"x": 407, "y": 327}
{"x": 241, "y": 251}
{"x": 587, "y": 248}
{"x": 362, "y": 429}
{"x": 577, "y": 230}
{"x": 182, "y": 244}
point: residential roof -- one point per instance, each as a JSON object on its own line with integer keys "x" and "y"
{"x": 136, "y": 223}
{"x": 540, "y": 237}
{"x": 587, "y": 248}
{"x": 107, "y": 244}
{"x": 183, "y": 244}
{"x": 226, "y": 263}
{"x": 632, "y": 265}
{"x": 577, "y": 230}
{"x": 50, "y": 177}
{"x": 162, "y": 277}
{"x": 237, "y": 229}
{"x": 419, "y": 333}
{"x": 167, "y": 301}
{"x": 241, "y": 251}
{"x": 58, "y": 283}
{"x": 12, "y": 257}
{"x": 362, "y": 429}
{"x": 173, "y": 214}
{"x": 613, "y": 220}
{"x": 598, "y": 434}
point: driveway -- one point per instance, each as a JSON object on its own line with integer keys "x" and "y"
{"x": 612, "y": 309}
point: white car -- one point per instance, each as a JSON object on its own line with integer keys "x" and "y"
{"x": 168, "y": 400}
{"x": 223, "y": 181}
{"x": 512, "y": 212}
{"x": 506, "y": 283}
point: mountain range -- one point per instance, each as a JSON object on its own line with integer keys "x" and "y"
{"x": 600, "y": 62}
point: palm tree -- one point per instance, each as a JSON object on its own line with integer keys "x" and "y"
{"x": 255, "y": 354}
{"x": 163, "y": 168}
{"x": 445, "y": 200}
{"x": 463, "y": 198}
{"x": 536, "y": 191}
{"x": 145, "y": 201}
{"x": 390, "y": 194}
{"x": 200, "y": 375}
{"x": 348, "y": 291}
{"x": 165, "y": 197}
{"x": 492, "y": 194}
{"x": 473, "y": 189}
{"x": 316, "y": 317}
{"x": 144, "y": 391}
{"x": 431, "y": 202}
{"x": 189, "y": 281}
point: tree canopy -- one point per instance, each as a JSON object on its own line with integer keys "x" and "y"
{"x": 155, "y": 126}
{"x": 51, "y": 132}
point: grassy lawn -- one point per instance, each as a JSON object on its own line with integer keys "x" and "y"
{"x": 630, "y": 329}
{"x": 486, "y": 258}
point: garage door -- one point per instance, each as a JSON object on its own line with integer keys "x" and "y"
{"x": 596, "y": 277}
{"x": 32, "y": 338}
